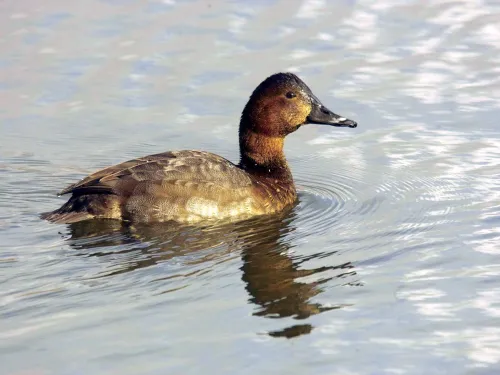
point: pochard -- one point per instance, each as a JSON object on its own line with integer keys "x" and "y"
{"x": 194, "y": 186}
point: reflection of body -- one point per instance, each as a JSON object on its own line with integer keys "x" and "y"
{"x": 269, "y": 272}
{"x": 194, "y": 186}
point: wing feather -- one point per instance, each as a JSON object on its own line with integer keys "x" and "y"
{"x": 195, "y": 166}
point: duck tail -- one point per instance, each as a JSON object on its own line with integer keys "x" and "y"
{"x": 74, "y": 210}
{"x": 58, "y": 217}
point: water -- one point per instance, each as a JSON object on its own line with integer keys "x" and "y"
{"x": 387, "y": 265}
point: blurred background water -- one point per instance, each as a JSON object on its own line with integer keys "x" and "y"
{"x": 389, "y": 264}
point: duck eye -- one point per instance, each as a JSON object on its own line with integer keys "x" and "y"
{"x": 290, "y": 95}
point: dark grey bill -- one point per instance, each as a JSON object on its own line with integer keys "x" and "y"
{"x": 322, "y": 115}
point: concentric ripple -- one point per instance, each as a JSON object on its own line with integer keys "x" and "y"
{"x": 381, "y": 201}
{"x": 324, "y": 200}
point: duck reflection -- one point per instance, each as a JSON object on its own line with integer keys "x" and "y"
{"x": 271, "y": 274}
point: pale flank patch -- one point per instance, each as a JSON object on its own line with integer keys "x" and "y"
{"x": 203, "y": 207}
{"x": 206, "y": 208}
{"x": 239, "y": 208}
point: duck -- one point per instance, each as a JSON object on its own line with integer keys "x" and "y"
{"x": 191, "y": 186}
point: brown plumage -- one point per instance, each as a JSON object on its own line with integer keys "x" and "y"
{"x": 194, "y": 186}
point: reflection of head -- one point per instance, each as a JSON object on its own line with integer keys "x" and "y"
{"x": 271, "y": 278}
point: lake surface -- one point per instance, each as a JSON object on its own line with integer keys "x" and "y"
{"x": 389, "y": 263}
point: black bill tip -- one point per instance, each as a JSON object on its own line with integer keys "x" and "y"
{"x": 349, "y": 123}
{"x": 322, "y": 115}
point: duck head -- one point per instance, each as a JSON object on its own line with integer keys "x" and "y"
{"x": 282, "y": 103}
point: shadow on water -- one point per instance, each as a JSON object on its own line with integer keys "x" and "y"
{"x": 270, "y": 273}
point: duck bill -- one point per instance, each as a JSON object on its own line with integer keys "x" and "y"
{"x": 322, "y": 115}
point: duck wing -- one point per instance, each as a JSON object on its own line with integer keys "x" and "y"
{"x": 164, "y": 169}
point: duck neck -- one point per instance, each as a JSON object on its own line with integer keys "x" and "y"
{"x": 263, "y": 155}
